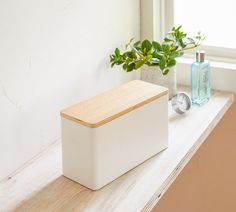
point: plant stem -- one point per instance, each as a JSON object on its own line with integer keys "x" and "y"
{"x": 192, "y": 47}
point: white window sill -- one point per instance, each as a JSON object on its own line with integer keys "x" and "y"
{"x": 143, "y": 186}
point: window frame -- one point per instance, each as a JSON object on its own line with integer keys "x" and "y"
{"x": 223, "y": 66}
{"x": 214, "y": 52}
{"x": 161, "y": 14}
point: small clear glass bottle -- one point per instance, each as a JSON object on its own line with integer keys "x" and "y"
{"x": 200, "y": 80}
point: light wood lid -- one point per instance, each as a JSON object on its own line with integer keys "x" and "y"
{"x": 114, "y": 103}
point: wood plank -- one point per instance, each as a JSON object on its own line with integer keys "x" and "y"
{"x": 114, "y": 103}
{"x": 41, "y": 187}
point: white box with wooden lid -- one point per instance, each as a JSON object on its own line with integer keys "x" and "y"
{"x": 107, "y": 135}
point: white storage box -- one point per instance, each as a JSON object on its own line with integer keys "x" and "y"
{"x": 106, "y": 136}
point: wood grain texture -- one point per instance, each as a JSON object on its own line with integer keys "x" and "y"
{"x": 112, "y": 104}
{"x": 41, "y": 187}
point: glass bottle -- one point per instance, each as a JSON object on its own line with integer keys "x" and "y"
{"x": 200, "y": 80}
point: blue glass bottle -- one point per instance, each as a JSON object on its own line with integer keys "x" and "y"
{"x": 200, "y": 80}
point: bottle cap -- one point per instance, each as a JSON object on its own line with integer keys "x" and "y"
{"x": 200, "y": 56}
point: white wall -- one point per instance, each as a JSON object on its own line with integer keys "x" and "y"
{"x": 54, "y": 53}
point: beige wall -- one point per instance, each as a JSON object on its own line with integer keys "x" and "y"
{"x": 208, "y": 182}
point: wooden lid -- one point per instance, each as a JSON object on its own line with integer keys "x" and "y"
{"x": 114, "y": 103}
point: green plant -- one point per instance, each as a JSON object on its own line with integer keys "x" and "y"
{"x": 153, "y": 53}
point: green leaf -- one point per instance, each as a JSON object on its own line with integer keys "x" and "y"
{"x": 113, "y": 64}
{"x": 176, "y": 54}
{"x": 182, "y": 44}
{"x": 128, "y": 44}
{"x": 134, "y": 54}
{"x": 128, "y": 60}
{"x": 155, "y": 54}
{"x": 163, "y": 46}
{"x": 137, "y": 44}
{"x": 130, "y": 67}
{"x": 190, "y": 40}
{"x": 146, "y": 44}
{"x": 171, "y": 63}
{"x": 117, "y": 52}
{"x": 139, "y": 64}
{"x": 149, "y": 56}
{"x": 165, "y": 71}
{"x": 179, "y": 27}
{"x": 120, "y": 62}
{"x": 162, "y": 63}
{"x": 173, "y": 48}
{"x": 167, "y": 49}
{"x": 129, "y": 54}
{"x": 131, "y": 40}
{"x": 167, "y": 40}
{"x": 159, "y": 56}
{"x": 156, "y": 46}
{"x": 149, "y": 52}
{"x": 125, "y": 66}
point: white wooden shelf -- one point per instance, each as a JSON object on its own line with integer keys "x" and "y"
{"x": 40, "y": 185}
